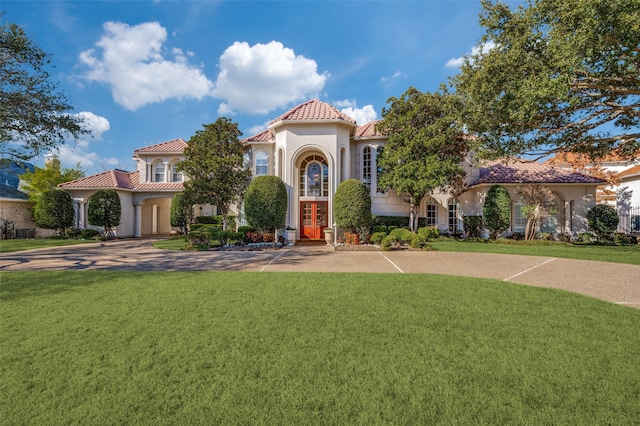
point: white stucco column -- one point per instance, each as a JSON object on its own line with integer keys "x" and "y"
{"x": 137, "y": 224}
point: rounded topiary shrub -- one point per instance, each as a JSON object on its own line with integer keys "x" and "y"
{"x": 265, "y": 203}
{"x": 104, "y": 209}
{"x": 602, "y": 220}
{"x": 352, "y": 205}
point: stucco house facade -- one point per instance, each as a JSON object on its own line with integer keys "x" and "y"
{"x": 314, "y": 147}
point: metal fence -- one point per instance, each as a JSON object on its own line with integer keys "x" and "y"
{"x": 629, "y": 220}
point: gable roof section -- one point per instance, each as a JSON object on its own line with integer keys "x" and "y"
{"x": 111, "y": 179}
{"x": 313, "y": 110}
{"x": 633, "y": 171}
{"x": 118, "y": 179}
{"x": 11, "y": 193}
{"x": 367, "y": 131}
{"x": 175, "y": 146}
{"x": 520, "y": 171}
{"x": 263, "y": 136}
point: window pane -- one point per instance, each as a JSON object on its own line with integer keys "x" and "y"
{"x": 314, "y": 180}
{"x": 159, "y": 172}
{"x": 262, "y": 163}
{"x": 366, "y": 166}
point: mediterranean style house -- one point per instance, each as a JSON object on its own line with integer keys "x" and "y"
{"x": 314, "y": 147}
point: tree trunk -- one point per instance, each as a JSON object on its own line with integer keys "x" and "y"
{"x": 412, "y": 214}
{"x": 224, "y": 210}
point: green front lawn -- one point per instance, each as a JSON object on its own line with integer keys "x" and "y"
{"x": 619, "y": 254}
{"x": 110, "y": 347}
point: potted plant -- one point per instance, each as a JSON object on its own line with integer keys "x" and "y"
{"x": 291, "y": 235}
{"x": 328, "y": 235}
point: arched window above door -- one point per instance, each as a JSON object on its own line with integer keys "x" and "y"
{"x": 314, "y": 177}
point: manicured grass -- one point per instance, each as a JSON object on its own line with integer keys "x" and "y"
{"x": 110, "y": 347}
{"x": 619, "y": 254}
{"x": 174, "y": 243}
{"x": 7, "y": 246}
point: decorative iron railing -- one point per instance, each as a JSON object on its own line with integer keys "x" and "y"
{"x": 629, "y": 220}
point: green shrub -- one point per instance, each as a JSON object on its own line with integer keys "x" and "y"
{"x": 602, "y": 220}
{"x": 352, "y": 205}
{"x": 623, "y": 239}
{"x": 265, "y": 203}
{"x": 395, "y": 221}
{"x": 209, "y": 220}
{"x": 380, "y": 228}
{"x": 473, "y": 226}
{"x": 387, "y": 243}
{"x": 402, "y": 235}
{"x": 104, "y": 209}
{"x": 429, "y": 233}
{"x": 420, "y": 242}
{"x": 497, "y": 210}
{"x": 204, "y": 236}
{"x": 89, "y": 234}
{"x": 377, "y": 237}
{"x": 54, "y": 210}
{"x": 391, "y": 228}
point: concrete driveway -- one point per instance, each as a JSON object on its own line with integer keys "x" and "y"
{"x": 614, "y": 282}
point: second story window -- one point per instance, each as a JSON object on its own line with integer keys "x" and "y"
{"x": 158, "y": 172}
{"x": 262, "y": 163}
{"x": 176, "y": 175}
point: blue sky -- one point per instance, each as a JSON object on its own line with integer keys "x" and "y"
{"x": 145, "y": 72}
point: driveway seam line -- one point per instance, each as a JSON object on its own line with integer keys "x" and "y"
{"x": 530, "y": 269}
{"x": 389, "y": 260}
{"x": 272, "y": 260}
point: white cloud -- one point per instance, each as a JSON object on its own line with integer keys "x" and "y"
{"x": 475, "y": 51}
{"x": 71, "y": 154}
{"x": 396, "y": 75}
{"x": 261, "y": 78}
{"x": 362, "y": 115}
{"x": 132, "y": 61}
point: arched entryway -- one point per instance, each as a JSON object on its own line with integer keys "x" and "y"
{"x": 313, "y": 196}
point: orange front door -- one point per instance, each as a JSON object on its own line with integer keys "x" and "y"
{"x": 313, "y": 217}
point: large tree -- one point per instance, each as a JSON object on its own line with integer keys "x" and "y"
{"x": 425, "y": 147}
{"x": 554, "y": 76}
{"x": 43, "y": 179}
{"x": 54, "y": 210}
{"x": 213, "y": 161}
{"x": 35, "y": 116}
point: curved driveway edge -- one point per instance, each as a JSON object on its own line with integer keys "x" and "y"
{"x": 614, "y": 282}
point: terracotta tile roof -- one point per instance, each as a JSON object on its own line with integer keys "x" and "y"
{"x": 565, "y": 158}
{"x": 368, "y": 130}
{"x": 160, "y": 186}
{"x": 263, "y": 136}
{"x": 314, "y": 110}
{"x": 173, "y": 146}
{"x": 118, "y": 179}
{"x": 635, "y": 170}
{"x": 111, "y": 179}
{"x": 525, "y": 171}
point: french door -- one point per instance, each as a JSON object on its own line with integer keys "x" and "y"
{"x": 313, "y": 218}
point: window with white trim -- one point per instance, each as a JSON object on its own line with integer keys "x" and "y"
{"x": 176, "y": 175}
{"x": 454, "y": 215}
{"x": 262, "y": 163}
{"x": 314, "y": 177}
{"x": 431, "y": 207}
{"x": 158, "y": 172}
{"x": 366, "y": 166}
